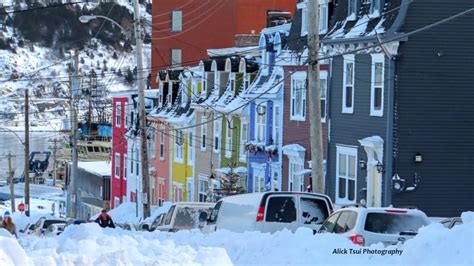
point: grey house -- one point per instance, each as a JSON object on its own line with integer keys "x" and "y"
{"x": 401, "y": 113}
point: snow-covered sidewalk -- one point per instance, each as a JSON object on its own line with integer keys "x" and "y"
{"x": 88, "y": 244}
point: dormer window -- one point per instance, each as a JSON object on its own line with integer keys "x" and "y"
{"x": 323, "y": 17}
{"x": 352, "y": 7}
{"x": 304, "y": 17}
{"x": 375, "y": 6}
{"x": 232, "y": 82}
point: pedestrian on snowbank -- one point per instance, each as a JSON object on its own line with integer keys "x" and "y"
{"x": 8, "y": 224}
{"x": 104, "y": 220}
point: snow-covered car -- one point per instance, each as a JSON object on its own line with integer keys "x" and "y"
{"x": 43, "y": 223}
{"x": 185, "y": 216}
{"x": 152, "y": 225}
{"x": 270, "y": 212}
{"x": 451, "y": 222}
{"x": 366, "y": 226}
{"x": 55, "y": 229}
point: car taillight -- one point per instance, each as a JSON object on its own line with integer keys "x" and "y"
{"x": 396, "y": 211}
{"x": 261, "y": 209}
{"x": 357, "y": 239}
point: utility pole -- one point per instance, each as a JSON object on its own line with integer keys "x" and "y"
{"x": 12, "y": 184}
{"x": 74, "y": 89}
{"x": 27, "y": 154}
{"x": 142, "y": 113}
{"x": 314, "y": 90}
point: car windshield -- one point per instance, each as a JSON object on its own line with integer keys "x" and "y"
{"x": 50, "y": 222}
{"x": 188, "y": 218}
{"x": 393, "y": 223}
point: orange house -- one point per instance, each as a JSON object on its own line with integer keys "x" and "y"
{"x": 182, "y": 30}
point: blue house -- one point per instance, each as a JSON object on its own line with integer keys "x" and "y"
{"x": 265, "y": 114}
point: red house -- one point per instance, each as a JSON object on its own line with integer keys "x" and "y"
{"x": 182, "y": 30}
{"x": 119, "y": 150}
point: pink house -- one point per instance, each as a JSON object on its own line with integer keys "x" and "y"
{"x": 161, "y": 161}
{"x": 119, "y": 151}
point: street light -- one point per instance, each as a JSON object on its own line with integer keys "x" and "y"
{"x": 141, "y": 100}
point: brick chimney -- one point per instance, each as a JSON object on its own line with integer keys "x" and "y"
{"x": 245, "y": 40}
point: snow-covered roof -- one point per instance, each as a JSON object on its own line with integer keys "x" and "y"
{"x": 249, "y": 50}
{"x": 101, "y": 168}
{"x": 226, "y": 170}
{"x": 268, "y": 81}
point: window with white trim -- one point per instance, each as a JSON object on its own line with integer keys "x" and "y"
{"x": 177, "y": 20}
{"x": 346, "y": 174}
{"x": 131, "y": 161}
{"x": 177, "y": 192}
{"x": 244, "y": 138}
{"x": 162, "y": 142}
{"x": 375, "y": 7}
{"x": 304, "y": 17}
{"x": 323, "y": 18}
{"x": 259, "y": 179}
{"x": 232, "y": 82}
{"x": 161, "y": 189}
{"x": 151, "y": 143}
{"x": 137, "y": 161}
{"x": 175, "y": 58}
{"x": 296, "y": 181}
{"x": 203, "y": 188}
{"x": 276, "y": 125}
{"x": 228, "y": 141}
{"x": 203, "y": 133}
{"x": 298, "y": 96}
{"x": 189, "y": 189}
{"x": 348, "y": 83}
{"x": 117, "y": 165}
{"x": 204, "y": 84}
{"x": 178, "y": 146}
{"x": 118, "y": 114}
{"x": 261, "y": 122}
{"x": 217, "y": 135}
{"x": 323, "y": 84}
{"x": 377, "y": 85}
{"x": 352, "y": 7}
{"x": 191, "y": 147}
{"x": 125, "y": 163}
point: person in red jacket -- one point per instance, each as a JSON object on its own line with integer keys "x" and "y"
{"x": 104, "y": 220}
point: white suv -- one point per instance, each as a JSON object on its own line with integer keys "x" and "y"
{"x": 366, "y": 226}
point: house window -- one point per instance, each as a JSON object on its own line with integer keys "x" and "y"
{"x": 190, "y": 148}
{"x": 178, "y": 146}
{"x": 137, "y": 161}
{"x": 296, "y": 180}
{"x": 375, "y": 8}
{"x": 118, "y": 114}
{"x": 117, "y": 165}
{"x": 162, "y": 143}
{"x": 323, "y": 18}
{"x": 125, "y": 163}
{"x": 151, "y": 144}
{"x": 177, "y": 20}
{"x": 261, "y": 121}
{"x": 189, "y": 189}
{"x": 352, "y": 9}
{"x": 244, "y": 135}
{"x": 298, "y": 96}
{"x": 348, "y": 90}
{"x": 203, "y": 133}
{"x": 204, "y": 85}
{"x": 346, "y": 170}
{"x": 228, "y": 141}
{"x": 203, "y": 188}
{"x": 131, "y": 162}
{"x": 232, "y": 82}
{"x": 161, "y": 189}
{"x": 377, "y": 85}
{"x": 276, "y": 125}
{"x": 175, "y": 57}
{"x": 177, "y": 192}
{"x": 323, "y": 83}
{"x": 259, "y": 177}
{"x": 304, "y": 17}
{"x": 217, "y": 135}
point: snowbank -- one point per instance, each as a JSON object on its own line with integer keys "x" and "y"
{"x": 88, "y": 244}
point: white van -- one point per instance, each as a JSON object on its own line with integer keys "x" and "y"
{"x": 185, "y": 216}
{"x": 270, "y": 212}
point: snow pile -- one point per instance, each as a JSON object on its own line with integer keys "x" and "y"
{"x": 88, "y": 244}
{"x": 125, "y": 213}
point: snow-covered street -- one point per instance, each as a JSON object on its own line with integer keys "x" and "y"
{"x": 88, "y": 244}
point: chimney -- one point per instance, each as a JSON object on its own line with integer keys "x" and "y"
{"x": 277, "y": 17}
{"x": 245, "y": 40}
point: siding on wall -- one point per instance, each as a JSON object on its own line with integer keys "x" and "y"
{"x": 436, "y": 110}
{"x": 347, "y": 129}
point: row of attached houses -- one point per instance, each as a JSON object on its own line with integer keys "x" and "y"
{"x": 240, "y": 123}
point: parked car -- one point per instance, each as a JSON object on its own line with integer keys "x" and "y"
{"x": 366, "y": 226}
{"x": 185, "y": 216}
{"x": 451, "y": 222}
{"x": 55, "y": 229}
{"x": 152, "y": 225}
{"x": 42, "y": 224}
{"x": 270, "y": 212}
